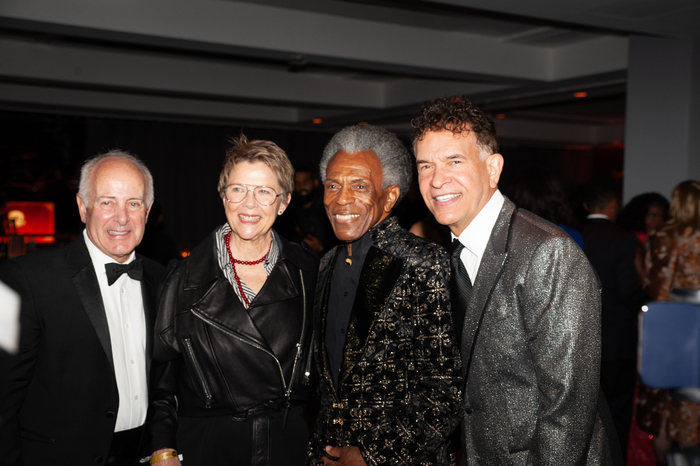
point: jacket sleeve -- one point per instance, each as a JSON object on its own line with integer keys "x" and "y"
{"x": 416, "y": 429}
{"x": 561, "y": 310}
{"x": 23, "y": 363}
{"x": 161, "y": 422}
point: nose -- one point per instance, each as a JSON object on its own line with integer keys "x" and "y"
{"x": 249, "y": 199}
{"x": 345, "y": 196}
{"x": 439, "y": 178}
{"x": 121, "y": 215}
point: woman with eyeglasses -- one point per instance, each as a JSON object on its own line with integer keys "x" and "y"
{"x": 234, "y": 329}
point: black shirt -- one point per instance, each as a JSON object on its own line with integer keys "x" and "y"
{"x": 344, "y": 282}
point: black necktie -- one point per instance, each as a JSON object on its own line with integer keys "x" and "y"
{"x": 133, "y": 269}
{"x": 460, "y": 289}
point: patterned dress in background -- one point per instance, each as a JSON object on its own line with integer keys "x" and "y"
{"x": 671, "y": 261}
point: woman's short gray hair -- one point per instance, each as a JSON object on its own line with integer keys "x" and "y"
{"x": 393, "y": 155}
{"x": 85, "y": 187}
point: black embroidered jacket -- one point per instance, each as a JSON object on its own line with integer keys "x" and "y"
{"x": 399, "y": 385}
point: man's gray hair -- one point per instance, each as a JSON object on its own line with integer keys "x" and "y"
{"x": 393, "y": 155}
{"x": 85, "y": 188}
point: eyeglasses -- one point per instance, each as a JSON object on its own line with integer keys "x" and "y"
{"x": 264, "y": 195}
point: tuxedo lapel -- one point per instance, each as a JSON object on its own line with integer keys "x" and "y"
{"x": 85, "y": 281}
{"x": 490, "y": 269}
{"x": 148, "y": 293}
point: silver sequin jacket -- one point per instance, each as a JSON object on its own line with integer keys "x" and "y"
{"x": 531, "y": 350}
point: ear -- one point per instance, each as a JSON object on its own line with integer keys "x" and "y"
{"x": 82, "y": 208}
{"x": 148, "y": 211}
{"x": 391, "y": 196}
{"x": 494, "y": 165}
{"x": 283, "y": 206}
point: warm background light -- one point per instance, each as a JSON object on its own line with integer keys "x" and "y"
{"x": 580, "y": 95}
{"x": 317, "y": 121}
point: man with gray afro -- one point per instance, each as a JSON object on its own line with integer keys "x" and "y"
{"x": 384, "y": 343}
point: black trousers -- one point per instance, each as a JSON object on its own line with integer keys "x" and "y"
{"x": 618, "y": 379}
{"x": 124, "y": 448}
{"x": 256, "y": 440}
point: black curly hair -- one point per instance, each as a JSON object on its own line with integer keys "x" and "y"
{"x": 457, "y": 114}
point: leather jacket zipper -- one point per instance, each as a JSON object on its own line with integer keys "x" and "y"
{"x": 299, "y": 349}
{"x": 200, "y": 373}
{"x": 244, "y": 340}
{"x": 297, "y": 357}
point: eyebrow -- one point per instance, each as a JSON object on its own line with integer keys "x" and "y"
{"x": 354, "y": 180}
{"x": 114, "y": 197}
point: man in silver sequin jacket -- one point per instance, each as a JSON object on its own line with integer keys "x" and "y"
{"x": 530, "y": 331}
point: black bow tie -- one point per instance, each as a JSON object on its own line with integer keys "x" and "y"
{"x": 133, "y": 270}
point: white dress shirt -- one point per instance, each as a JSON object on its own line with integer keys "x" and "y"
{"x": 123, "y": 304}
{"x": 476, "y": 236}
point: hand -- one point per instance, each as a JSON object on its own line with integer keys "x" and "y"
{"x": 347, "y": 456}
{"x": 170, "y": 461}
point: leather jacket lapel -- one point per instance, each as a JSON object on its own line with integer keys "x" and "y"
{"x": 378, "y": 277}
{"x": 220, "y": 306}
{"x": 279, "y": 286}
{"x": 323, "y": 288}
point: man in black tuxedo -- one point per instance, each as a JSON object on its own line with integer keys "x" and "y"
{"x": 611, "y": 250}
{"x": 77, "y": 391}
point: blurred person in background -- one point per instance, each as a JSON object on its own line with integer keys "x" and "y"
{"x": 540, "y": 192}
{"x": 233, "y": 331}
{"x": 305, "y": 219}
{"x": 672, "y": 260}
{"x": 641, "y": 215}
{"x": 611, "y": 250}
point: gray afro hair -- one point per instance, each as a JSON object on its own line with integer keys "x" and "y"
{"x": 393, "y": 155}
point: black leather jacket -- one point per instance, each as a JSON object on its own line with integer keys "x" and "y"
{"x": 212, "y": 355}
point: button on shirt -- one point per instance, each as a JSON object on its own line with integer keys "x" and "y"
{"x": 476, "y": 236}
{"x": 123, "y": 304}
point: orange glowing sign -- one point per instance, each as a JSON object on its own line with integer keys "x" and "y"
{"x": 35, "y": 219}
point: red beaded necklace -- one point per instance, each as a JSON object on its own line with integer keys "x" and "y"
{"x": 235, "y": 261}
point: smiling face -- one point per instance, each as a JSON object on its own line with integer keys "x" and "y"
{"x": 353, "y": 194}
{"x": 249, "y": 220}
{"x": 455, "y": 183}
{"x": 115, "y": 216}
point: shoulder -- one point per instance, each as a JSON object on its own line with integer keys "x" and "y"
{"x": 414, "y": 250}
{"x": 532, "y": 236}
{"x": 528, "y": 225}
{"x": 50, "y": 260}
{"x": 153, "y": 269}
